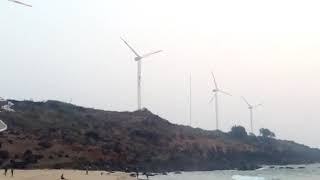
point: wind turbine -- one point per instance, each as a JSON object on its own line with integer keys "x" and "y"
{"x": 19, "y": 2}
{"x": 216, "y": 90}
{"x": 251, "y": 108}
{"x": 138, "y": 59}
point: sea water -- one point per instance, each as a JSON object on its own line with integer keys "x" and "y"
{"x": 289, "y": 172}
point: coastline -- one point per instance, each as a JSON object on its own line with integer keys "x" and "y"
{"x": 49, "y": 174}
{"x": 292, "y": 172}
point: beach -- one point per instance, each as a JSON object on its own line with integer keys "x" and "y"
{"x": 68, "y": 174}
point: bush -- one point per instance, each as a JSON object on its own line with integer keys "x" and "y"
{"x": 267, "y": 133}
{"x": 238, "y": 132}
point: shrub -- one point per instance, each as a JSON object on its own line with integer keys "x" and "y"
{"x": 238, "y": 132}
{"x": 267, "y": 133}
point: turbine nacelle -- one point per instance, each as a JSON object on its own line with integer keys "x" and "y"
{"x": 215, "y": 90}
{"x": 137, "y": 58}
{"x": 250, "y": 106}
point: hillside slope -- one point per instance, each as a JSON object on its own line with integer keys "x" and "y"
{"x": 54, "y": 134}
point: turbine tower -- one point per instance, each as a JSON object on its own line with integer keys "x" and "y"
{"x": 251, "y": 108}
{"x": 190, "y": 101}
{"x": 19, "y": 2}
{"x": 138, "y": 59}
{"x": 216, "y": 90}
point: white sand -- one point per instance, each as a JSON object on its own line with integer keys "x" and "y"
{"x": 69, "y": 174}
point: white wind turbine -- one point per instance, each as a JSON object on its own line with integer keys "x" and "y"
{"x": 251, "y": 108}
{"x": 19, "y": 2}
{"x": 216, "y": 90}
{"x": 138, "y": 58}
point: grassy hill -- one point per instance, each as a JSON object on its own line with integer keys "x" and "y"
{"x": 54, "y": 134}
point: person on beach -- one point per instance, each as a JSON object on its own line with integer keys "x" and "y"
{"x": 5, "y": 170}
{"x": 12, "y": 172}
{"x": 87, "y": 169}
{"x": 137, "y": 173}
{"x": 12, "y": 165}
{"x": 147, "y": 175}
{"x": 63, "y": 178}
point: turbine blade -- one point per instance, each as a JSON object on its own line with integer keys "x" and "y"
{"x": 214, "y": 80}
{"x": 18, "y": 2}
{"x": 245, "y": 101}
{"x": 130, "y": 47}
{"x": 226, "y": 93}
{"x": 211, "y": 99}
{"x": 258, "y": 105}
{"x": 149, "y": 54}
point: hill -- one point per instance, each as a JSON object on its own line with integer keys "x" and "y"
{"x": 54, "y": 134}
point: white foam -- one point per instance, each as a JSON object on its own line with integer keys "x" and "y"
{"x": 263, "y": 168}
{"x": 7, "y": 108}
{"x": 3, "y": 126}
{"x": 238, "y": 177}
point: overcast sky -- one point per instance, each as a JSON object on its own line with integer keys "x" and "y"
{"x": 267, "y": 51}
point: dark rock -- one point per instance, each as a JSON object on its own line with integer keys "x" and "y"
{"x": 4, "y": 154}
{"x": 45, "y": 144}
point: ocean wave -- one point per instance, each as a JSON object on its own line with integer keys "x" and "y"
{"x": 239, "y": 177}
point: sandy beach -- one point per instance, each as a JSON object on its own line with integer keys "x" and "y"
{"x": 68, "y": 174}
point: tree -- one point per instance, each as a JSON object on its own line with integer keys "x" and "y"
{"x": 238, "y": 132}
{"x": 264, "y": 132}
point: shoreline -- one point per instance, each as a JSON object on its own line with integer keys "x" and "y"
{"x": 69, "y": 174}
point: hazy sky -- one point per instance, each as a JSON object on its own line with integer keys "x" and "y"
{"x": 267, "y": 51}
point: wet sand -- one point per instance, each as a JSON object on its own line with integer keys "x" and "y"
{"x": 68, "y": 174}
